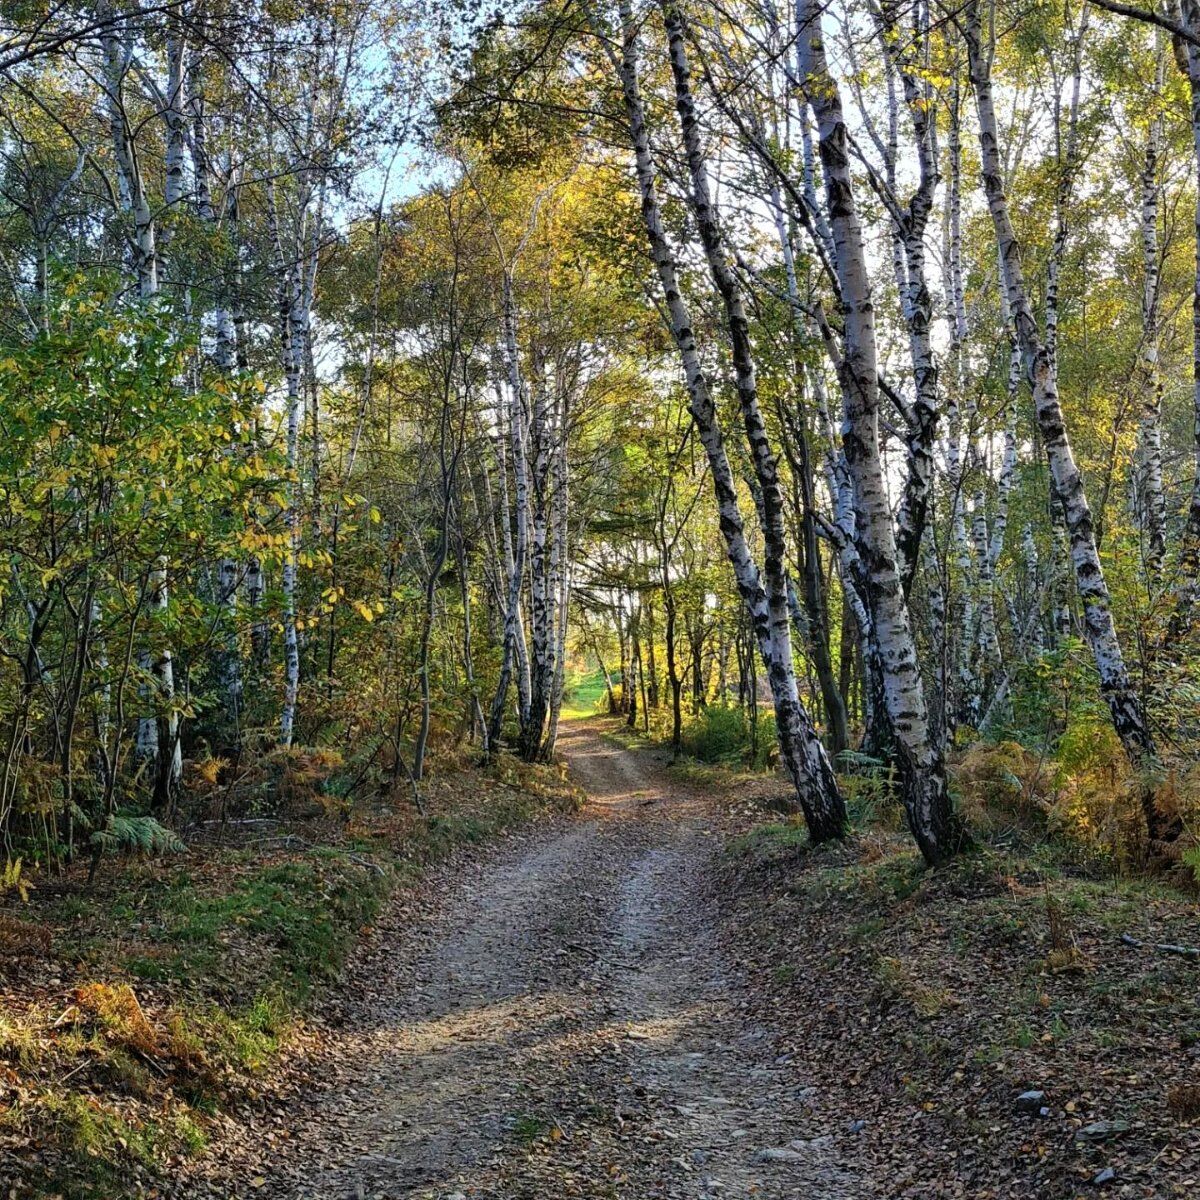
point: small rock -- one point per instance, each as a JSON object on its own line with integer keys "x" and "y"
{"x": 1031, "y": 1102}
{"x": 1105, "y": 1176}
{"x": 776, "y": 1154}
{"x": 857, "y": 1126}
{"x": 699, "y": 1157}
{"x": 1099, "y": 1131}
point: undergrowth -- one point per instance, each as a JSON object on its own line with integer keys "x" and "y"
{"x": 144, "y": 1006}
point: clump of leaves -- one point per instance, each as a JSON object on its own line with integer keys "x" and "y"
{"x": 1191, "y": 859}
{"x": 11, "y": 880}
{"x": 1003, "y": 781}
{"x": 117, "y": 1011}
{"x": 1184, "y": 1101}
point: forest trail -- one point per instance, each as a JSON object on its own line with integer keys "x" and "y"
{"x": 561, "y": 1027}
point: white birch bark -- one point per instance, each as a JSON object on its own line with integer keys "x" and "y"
{"x": 560, "y": 571}
{"x": 988, "y": 641}
{"x": 541, "y": 612}
{"x": 294, "y": 265}
{"x": 1128, "y": 716}
{"x": 800, "y": 746}
{"x": 294, "y": 342}
{"x": 926, "y": 799}
{"x": 175, "y": 117}
{"x": 131, "y": 184}
{"x": 806, "y": 762}
{"x": 1033, "y": 582}
{"x": 514, "y": 652}
{"x": 1151, "y": 503}
{"x": 1068, "y": 164}
{"x": 956, "y": 305}
{"x": 1189, "y": 559}
{"x": 191, "y": 113}
{"x": 163, "y": 667}
{"x": 904, "y": 54}
{"x": 1008, "y": 463}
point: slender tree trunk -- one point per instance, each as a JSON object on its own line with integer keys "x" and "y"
{"x": 169, "y": 756}
{"x": 927, "y": 803}
{"x": 1128, "y": 716}
{"x": 542, "y": 569}
{"x": 294, "y": 321}
{"x": 906, "y": 53}
{"x": 1188, "y": 56}
{"x": 560, "y": 573}
{"x": 674, "y": 682}
{"x": 1151, "y": 503}
{"x": 802, "y": 750}
{"x": 800, "y": 458}
{"x": 513, "y": 631}
{"x": 804, "y": 756}
{"x": 131, "y": 187}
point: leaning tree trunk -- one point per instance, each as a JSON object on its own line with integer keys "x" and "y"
{"x": 1128, "y": 715}
{"x": 801, "y": 749}
{"x": 923, "y": 778}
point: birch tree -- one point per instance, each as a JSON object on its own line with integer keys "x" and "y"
{"x": 1125, "y": 707}
{"x": 766, "y": 604}
{"x": 927, "y": 802}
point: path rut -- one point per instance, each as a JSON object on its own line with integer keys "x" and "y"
{"x": 563, "y": 1027}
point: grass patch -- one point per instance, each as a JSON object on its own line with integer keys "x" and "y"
{"x": 585, "y": 696}
{"x": 527, "y": 1129}
{"x": 771, "y": 845}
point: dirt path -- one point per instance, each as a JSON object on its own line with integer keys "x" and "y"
{"x": 561, "y": 1028}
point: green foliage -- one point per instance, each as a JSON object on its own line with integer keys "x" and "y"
{"x": 123, "y": 463}
{"x": 1191, "y": 859}
{"x": 721, "y": 733}
{"x": 585, "y": 695}
{"x": 136, "y": 835}
{"x": 771, "y": 844}
{"x": 301, "y": 913}
{"x": 869, "y": 786}
{"x": 528, "y": 1129}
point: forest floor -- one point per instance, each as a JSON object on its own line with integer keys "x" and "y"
{"x": 668, "y": 994}
{"x": 148, "y": 1012}
{"x": 665, "y": 996}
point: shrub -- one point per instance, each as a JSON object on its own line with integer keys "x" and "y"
{"x": 721, "y": 734}
{"x": 1003, "y": 780}
{"x": 717, "y": 734}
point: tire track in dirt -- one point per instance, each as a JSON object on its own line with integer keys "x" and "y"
{"x": 561, "y": 1026}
